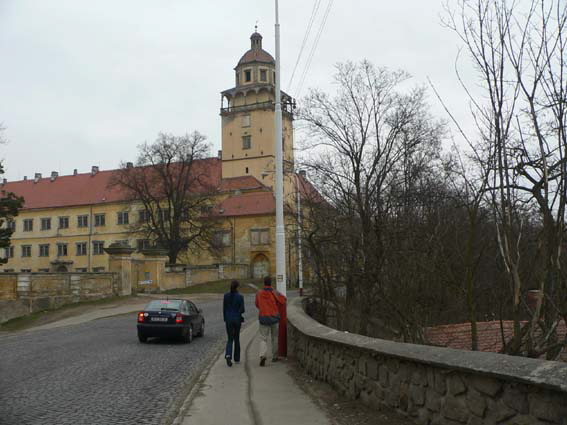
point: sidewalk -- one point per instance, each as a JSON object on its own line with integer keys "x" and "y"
{"x": 247, "y": 394}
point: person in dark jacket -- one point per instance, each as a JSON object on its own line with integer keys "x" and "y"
{"x": 233, "y": 309}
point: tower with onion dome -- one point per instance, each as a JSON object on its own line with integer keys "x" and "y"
{"x": 247, "y": 112}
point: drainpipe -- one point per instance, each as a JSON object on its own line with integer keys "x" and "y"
{"x": 90, "y": 248}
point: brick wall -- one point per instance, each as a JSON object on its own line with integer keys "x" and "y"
{"x": 432, "y": 385}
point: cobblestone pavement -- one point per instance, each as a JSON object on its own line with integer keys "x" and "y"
{"x": 98, "y": 372}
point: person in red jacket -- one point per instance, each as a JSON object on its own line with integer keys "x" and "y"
{"x": 267, "y": 301}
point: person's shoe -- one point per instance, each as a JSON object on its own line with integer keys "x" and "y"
{"x": 275, "y": 359}
{"x": 262, "y": 361}
{"x": 228, "y": 361}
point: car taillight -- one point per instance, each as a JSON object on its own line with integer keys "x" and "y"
{"x": 178, "y": 318}
{"x": 140, "y": 317}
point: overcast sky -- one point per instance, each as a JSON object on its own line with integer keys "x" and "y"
{"x": 83, "y": 83}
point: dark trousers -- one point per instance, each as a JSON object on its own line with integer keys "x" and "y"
{"x": 233, "y": 333}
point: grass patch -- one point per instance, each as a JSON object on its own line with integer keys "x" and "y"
{"x": 217, "y": 287}
{"x": 47, "y": 316}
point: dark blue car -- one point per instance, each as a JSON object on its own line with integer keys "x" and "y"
{"x": 171, "y": 318}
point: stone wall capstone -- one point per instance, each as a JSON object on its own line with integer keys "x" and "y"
{"x": 431, "y": 385}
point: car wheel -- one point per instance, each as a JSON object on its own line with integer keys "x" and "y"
{"x": 142, "y": 338}
{"x": 202, "y": 330}
{"x": 189, "y": 334}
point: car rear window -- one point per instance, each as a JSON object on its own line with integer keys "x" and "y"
{"x": 157, "y": 305}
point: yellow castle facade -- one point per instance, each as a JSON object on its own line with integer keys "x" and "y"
{"x": 68, "y": 221}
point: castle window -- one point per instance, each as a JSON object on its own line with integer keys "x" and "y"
{"x": 45, "y": 223}
{"x": 221, "y": 239}
{"x": 246, "y": 142}
{"x": 63, "y": 222}
{"x": 11, "y": 224}
{"x": 260, "y": 236}
{"x": 9, "y": 252}
{"x": 99, "y": 220}
{"x": 44, "y": 250}
{"x": 61, "y": 249}
{"x": 123, "y": 217}
{"x": 81, "y": 248}
{"x": 143, "y": 216}
{"x": 83, "y": 221}
{"x": 143, "y": 244}
{"x": 263, "y": 75}
{"x": 248, "y": 75}
{"x": 246, "y": 121}
{"x": 26, "y": 250}
{"x": 28, "y": 225}
{"x": 98, "y": 248}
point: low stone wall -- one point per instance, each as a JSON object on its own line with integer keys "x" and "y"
{"x": 203, "y": 274}
{"x": 432, "y": 385}
{"x": 174, "y": 280}
{"x": 24, "y": 293}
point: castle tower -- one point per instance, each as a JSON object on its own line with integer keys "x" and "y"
{"x": 248, "y": 122}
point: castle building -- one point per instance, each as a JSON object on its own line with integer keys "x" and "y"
{"x": 67, "y": 221}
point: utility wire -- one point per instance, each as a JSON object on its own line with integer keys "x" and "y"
{"x": 314, "y": 47}
{"x": 314, "y": 11}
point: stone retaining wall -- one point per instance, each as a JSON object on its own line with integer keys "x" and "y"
{"x": 25, "y": 293}
{"x": 432, "y": 385}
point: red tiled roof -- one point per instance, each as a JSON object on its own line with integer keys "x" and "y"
{"x": 307, "y": 190}
{"x": 87, "y": 189}
{"x": 241, "y": 183}
{"x": 489, "y": 335}
{"x": 255, "y": 203}
{"x": 256, "y": 55}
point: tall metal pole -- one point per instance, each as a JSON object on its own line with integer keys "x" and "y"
{"x": 299, "y": 229}
{"x": 280, "y": 228}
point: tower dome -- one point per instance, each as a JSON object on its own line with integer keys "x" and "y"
{"x": 256, "y": 53}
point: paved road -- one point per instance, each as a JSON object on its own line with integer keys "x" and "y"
{"x": 98, "y": 372}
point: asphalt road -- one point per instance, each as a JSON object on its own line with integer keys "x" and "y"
{"x": 98, "y": 372}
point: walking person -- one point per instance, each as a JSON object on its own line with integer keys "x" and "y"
{"x": 267, "y": 301}
{"x": 233, "y": 309}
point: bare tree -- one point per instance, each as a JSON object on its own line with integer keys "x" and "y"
{"x": 519, "y": 52}
{"x": 171, "y": 185}
{"x": 9, "y": 206}
{"x": 371, "y": 143}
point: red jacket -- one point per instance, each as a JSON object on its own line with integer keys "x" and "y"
{"x": 267, "y": 301}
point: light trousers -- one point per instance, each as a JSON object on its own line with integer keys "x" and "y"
{"x": 268, "y": 332}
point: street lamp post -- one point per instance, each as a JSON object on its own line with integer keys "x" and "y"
{"x": 280, "y": 229}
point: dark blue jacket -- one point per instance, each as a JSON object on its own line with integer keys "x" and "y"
{"x": 233, "y": 307}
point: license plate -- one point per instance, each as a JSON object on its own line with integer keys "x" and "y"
{"x": 159, "y": 319}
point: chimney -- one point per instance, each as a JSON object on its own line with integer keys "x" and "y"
{"x": 37, "y": 177}
{"x": 129, "y": 165}
{"x": 4, "y": 181}
{"x": 75, "y": 172}
{"x": 54, "y": 175}
{"x": 533, "y": 298}
{"x": 25, "y": 178}
{"x": 94, "y": 170}
{"x": 219, "y": 155}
